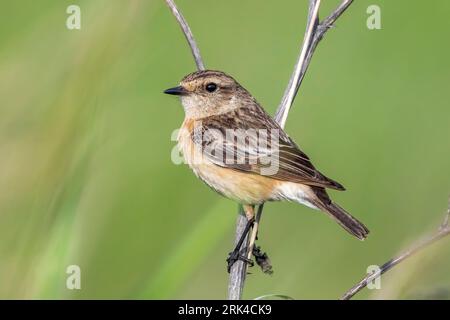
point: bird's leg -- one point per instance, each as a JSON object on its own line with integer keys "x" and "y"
{"x": 236, "y": 255}
{"x": 254, "y": 233}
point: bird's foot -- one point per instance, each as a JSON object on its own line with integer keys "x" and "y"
{"x": 236, "y": 255}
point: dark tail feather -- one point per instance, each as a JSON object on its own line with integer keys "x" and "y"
{"x": 346, "y": 220}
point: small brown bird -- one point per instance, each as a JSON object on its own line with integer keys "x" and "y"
{"x": 232, "y": 144}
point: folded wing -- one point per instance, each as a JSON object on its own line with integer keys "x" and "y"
{"x": 249, "y": 140}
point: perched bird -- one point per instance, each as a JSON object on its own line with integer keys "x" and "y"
{"x": 229, "y": 141}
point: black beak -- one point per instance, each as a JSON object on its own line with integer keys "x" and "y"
{"x": 178, "y": 91}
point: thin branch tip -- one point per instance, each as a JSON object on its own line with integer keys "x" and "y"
{"x": 187, "y": 33}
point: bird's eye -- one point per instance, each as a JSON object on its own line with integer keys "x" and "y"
{"x": 211, "y": 87}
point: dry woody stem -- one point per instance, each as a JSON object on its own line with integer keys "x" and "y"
{"x": 443, "y": 231}
{"x": 315, "y": 30}
{"x": 187, "y": 33}
{"x": 313, "y": 34}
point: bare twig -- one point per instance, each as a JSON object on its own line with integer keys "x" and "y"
{"x": 187, "y": 33}
{"x": 318, "y": 31}
{"x": 444, "y": 230}
{"x": 239, "y": 268}
{"x": 252, "y": 239}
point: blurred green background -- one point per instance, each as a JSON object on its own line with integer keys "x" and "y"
{"x": 86, "y": 176}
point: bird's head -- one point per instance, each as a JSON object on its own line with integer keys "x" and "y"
{"x": 206, "y": 93}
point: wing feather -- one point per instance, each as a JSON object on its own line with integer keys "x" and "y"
{"x": 250, "y": 147}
